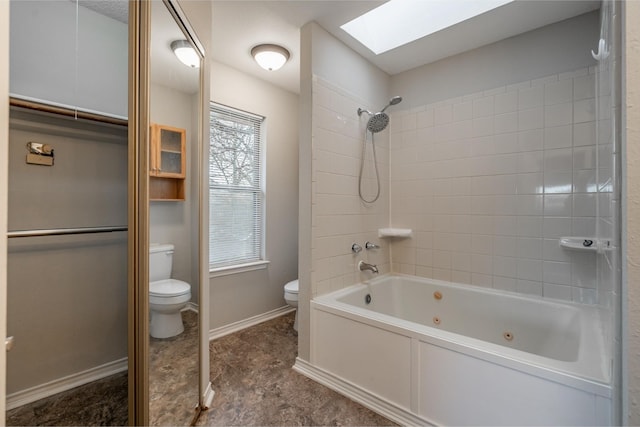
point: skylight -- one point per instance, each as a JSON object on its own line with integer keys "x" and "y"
{"x": 399, "y": 22}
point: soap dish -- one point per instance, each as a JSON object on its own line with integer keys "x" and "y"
{"x": 394, "y": 232}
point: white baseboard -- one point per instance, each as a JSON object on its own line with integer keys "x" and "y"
{"x": 360, "y": 395}
{"x": 251, "y": 321}
{"x": 191, "y": 306}
{"x": 41, "y": 391}
{"x": 207, "y": 397}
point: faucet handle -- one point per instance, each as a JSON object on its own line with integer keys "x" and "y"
{"x": 370, "y": 245}
{"x": 355, "y": 248}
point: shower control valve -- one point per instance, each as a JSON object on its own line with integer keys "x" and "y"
{"x": 356, "y": 248}
{"x": 370, "y": 245}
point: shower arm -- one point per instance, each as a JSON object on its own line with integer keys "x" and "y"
{"x": 393, "y": 101}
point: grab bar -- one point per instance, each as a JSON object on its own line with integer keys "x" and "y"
{"x": 65, "y": 231}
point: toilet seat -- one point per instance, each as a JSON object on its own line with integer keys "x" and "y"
{"x": 291, "y": 297}
{"x": 291, "y": 291}
{"x": 168, "y": 288}
{"x": 292, "y": 287}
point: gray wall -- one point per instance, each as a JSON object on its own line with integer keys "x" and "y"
{"x": 239, "y": 296}
{"x": 556, "y": 48}
{"x": 67, "y": 295}
{"x": 43, "y": 56}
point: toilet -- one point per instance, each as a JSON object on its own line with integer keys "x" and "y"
{"x": 291, "y": 297}
{"x": 166, "y": 296}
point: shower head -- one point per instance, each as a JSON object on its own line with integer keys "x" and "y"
{"x": 378, "y": 122}
{"x": 393, "y": 101}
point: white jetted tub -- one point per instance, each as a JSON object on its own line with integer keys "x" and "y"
{"x": 426, "y": 351}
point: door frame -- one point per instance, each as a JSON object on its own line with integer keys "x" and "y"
{"x": 138, "y": 216}
{"x": 4, "y": 190}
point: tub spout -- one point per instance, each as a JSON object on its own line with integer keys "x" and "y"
{"x": 362, "y": 266}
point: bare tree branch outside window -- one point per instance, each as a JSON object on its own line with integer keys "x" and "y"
{"x": 232, "y": 156}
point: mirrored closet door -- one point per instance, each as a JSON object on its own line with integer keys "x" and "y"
{"x": 174, "y": 114}
{"x": 167, "y": 126}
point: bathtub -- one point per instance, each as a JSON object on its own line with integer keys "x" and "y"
{"x": 425, "y": 351}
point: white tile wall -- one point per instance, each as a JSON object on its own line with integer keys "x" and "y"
{"x": 339, "y": 218}
{"x": 494, "y": 179}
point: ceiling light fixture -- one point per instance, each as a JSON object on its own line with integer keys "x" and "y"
{"x": 185, "y": 53}
{"x": 271, "y": 57}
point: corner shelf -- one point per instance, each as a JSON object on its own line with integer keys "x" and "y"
{"x": 394, "y": 232}
{"x": 585, "y": 244}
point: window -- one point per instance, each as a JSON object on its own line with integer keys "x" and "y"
{"x": 236, "y": 194}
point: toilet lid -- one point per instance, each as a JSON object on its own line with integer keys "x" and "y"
{"x": 291, "y": 287}
{"x": 169, "y": 288}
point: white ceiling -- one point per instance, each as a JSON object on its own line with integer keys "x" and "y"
{"x": 240, "y": 25}
{"x": 116, "y": 9}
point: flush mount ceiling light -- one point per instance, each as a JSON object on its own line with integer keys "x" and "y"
{"x": 398, "y": 22}
{"x": 271, "y": 57}
{"x": 186, "y": 53}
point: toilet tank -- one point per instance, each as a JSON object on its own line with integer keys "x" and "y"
{"x": 160, "y": 261}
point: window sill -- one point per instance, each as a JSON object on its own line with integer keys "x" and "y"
{"x": 235, "y": 269}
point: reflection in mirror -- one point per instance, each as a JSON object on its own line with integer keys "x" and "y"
{"x": 173, "y": 221}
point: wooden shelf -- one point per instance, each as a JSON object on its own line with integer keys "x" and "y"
{"x": 167, "y": 163}
{"x": 167, "y": 189}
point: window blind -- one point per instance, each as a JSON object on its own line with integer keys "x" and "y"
{"x": 236, "y": 196}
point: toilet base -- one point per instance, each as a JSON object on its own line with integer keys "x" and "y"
{"x": 295, "y": 322}
{"x": 165, "y": 325}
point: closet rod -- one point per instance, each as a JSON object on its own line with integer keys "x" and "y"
{"x": 65, "y": 231}
{"x": 39, "y": 106}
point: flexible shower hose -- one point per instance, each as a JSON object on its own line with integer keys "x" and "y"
{"x": 375, "y": 165}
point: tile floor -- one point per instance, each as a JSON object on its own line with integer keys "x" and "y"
{"x": 255, "y": 385}
{"x": 102, "y": 402}
{"x": 173, "y": 375}
{"x": 173, "y": 390}
{"x": 251, "y": 375}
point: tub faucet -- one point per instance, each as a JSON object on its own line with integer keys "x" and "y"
{"x": 362, "y": 266}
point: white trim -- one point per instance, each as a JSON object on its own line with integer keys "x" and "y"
{"x": 41, "y": 391}
{"x": 191, "y": 306}
{"x": 360, "y": 395}
{"x": 246, "y": 323}
{"x": 234, "y": 269}
{"x": 207, "y": 397}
